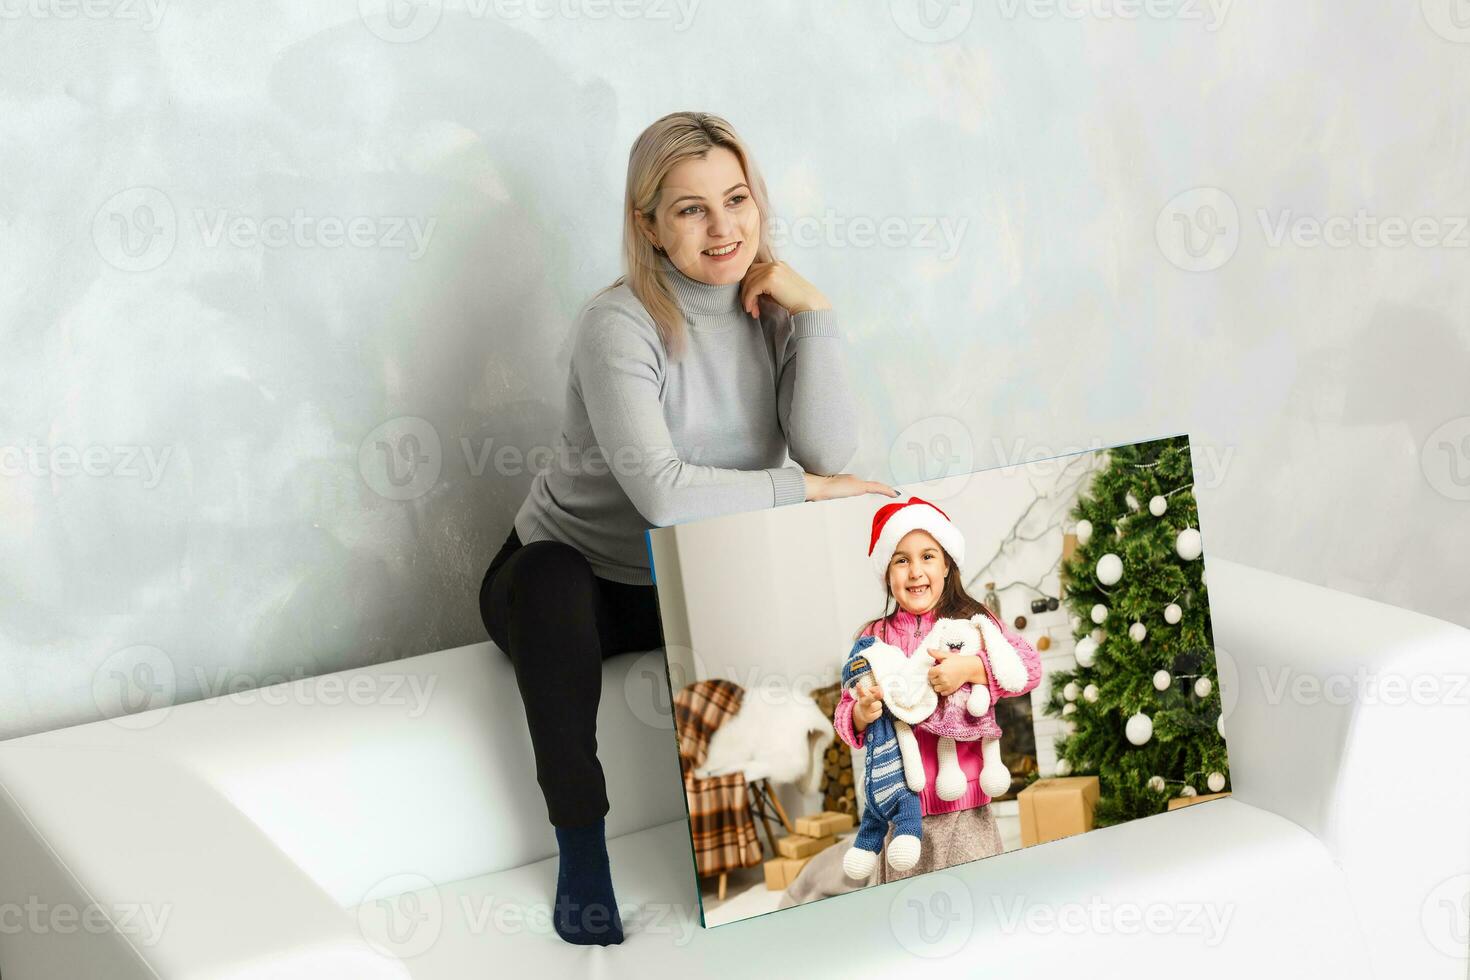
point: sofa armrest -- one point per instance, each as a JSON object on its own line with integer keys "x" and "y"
{"x": 174, "y": 881}
{"x": 1351, "y": 718}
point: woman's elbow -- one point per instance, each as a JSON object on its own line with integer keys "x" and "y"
{"x": 658, "y": 509}
{"x": 830, "y": 456}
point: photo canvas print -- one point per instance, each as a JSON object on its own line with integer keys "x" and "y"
{"x": 873, "y": 688}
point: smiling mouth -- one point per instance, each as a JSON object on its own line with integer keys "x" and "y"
{"x": 917, "y": 590}
{"x": 722, "y": 250}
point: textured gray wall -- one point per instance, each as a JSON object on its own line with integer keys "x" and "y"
{"x": 279, "y": 281}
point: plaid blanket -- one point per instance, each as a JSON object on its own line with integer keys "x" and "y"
{"x": 723, "y": 833}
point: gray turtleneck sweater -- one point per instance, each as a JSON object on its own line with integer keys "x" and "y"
{"x": 649, "y": 442}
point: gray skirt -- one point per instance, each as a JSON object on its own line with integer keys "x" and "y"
{"x": 948, "y": 839}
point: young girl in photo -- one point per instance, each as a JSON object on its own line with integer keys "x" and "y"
{"x": 916, "y": 552}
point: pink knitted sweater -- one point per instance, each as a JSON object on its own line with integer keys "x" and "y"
{"x": 904, "y": 630}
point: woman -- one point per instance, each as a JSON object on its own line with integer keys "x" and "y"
{"x": 692, "y": 377}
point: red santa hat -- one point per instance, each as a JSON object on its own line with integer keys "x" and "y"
{"x": 893, "y": 521}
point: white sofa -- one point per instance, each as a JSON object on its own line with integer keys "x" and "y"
{"x": 294, "y": 833}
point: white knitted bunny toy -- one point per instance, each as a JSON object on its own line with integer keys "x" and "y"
{"x": 968, "y": 714}
{"x": 908, "y": 694}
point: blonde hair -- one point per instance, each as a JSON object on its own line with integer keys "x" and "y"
{"x": 665, "y": 144}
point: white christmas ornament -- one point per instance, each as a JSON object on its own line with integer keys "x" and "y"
{"x": 1202, "y": 687}
{"x": 1188, "y": 544}
{"x": 1070, "y": 691}
{"x": 1161, "y": 680}
{"x": 1099, "y": 614}
{"x": 1089, "y": 693}
{"x": 1068, "y": 709}
{"x": 1220, "y": 725}
{"x": 1137, "y": 632}
{"x": 1139, "y": 729}
{"x": 1188, "y": 791}
{"x": 1063, "y": 767}
{"x": 1098, "y": 635}
{"x": 1172, "y": 613}
{"x": 1086, "y": 652}
{"x": 1216, "y": 782}
{"x": 1156, "y": 783}
{"x": 1109, "y": 569}
{"x": 1084, "y": 532}
{"x": 1130, "y": 500}
{"x": 1157, "y": 506}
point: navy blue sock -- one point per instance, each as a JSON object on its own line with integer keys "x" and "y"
{"x": 586, "y": 912}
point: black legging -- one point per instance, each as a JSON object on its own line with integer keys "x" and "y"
{"x": 556, "y": 621}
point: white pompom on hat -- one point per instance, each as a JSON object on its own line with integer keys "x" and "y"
{"x": 893, "y": 521}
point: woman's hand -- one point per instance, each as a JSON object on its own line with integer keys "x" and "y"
{"x": 842, "y": 485}
{"x": 869, "y": 706}
{"x": 780, "y": 282}
{"x": 954, "y": 669}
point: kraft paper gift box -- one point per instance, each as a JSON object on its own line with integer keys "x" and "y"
{"x": 824, "y": 824}
{"x": 1055, "y": 808}
{"x": 781, "y": 872}
{"x": 802, "y": 846}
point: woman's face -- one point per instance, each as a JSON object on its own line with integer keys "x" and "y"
{"x": 916, "y": 572}
{"x": 705, "y": 206}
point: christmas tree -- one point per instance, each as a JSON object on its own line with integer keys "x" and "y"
{"x": 1144, "y": 703}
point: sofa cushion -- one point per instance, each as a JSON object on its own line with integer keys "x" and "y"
{"x": 1217, "y": 888}
{"x": 420, "y": 763}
